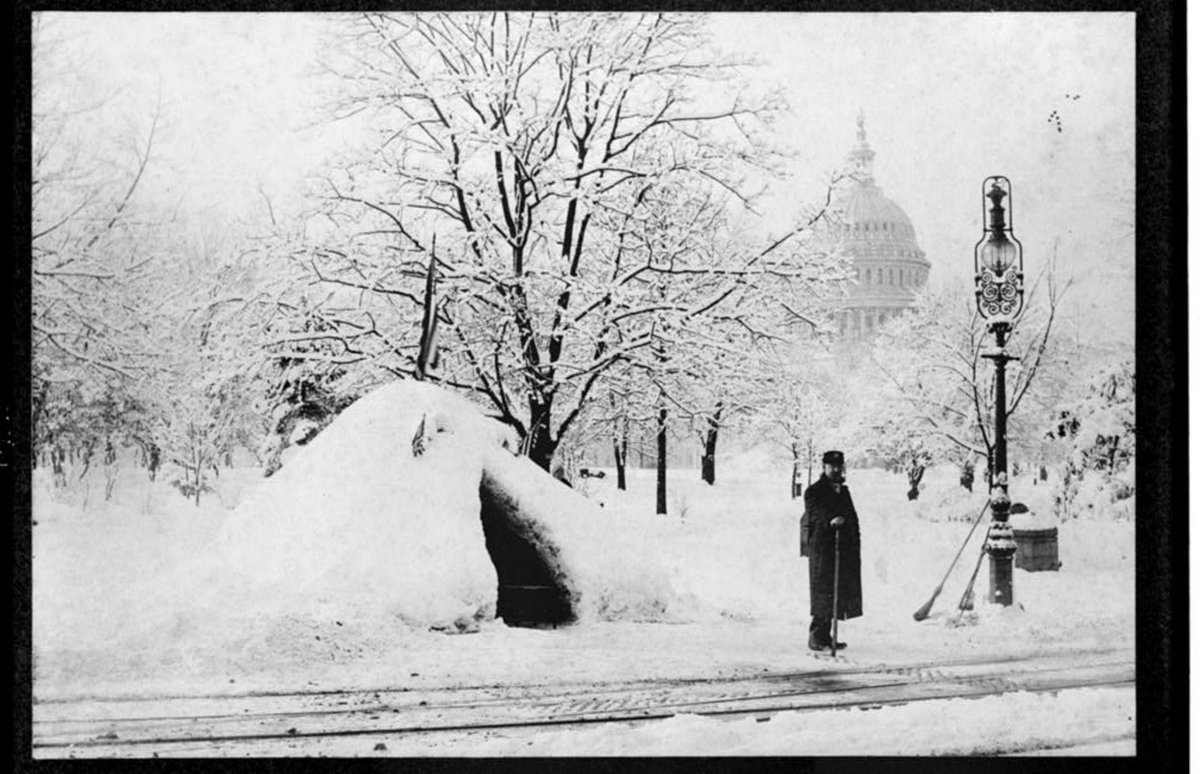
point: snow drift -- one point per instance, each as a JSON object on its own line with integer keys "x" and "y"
{"x": 358, "y": 520}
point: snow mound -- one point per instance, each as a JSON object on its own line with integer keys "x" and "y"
{"x": 355, "y": 518}
{"x": 381, "y": 514}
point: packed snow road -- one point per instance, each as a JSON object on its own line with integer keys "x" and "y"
{"x": 323, "y": 722}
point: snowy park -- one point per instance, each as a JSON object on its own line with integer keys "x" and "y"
{"x": 349, "y": 571}
{"x": 466, "y": 384}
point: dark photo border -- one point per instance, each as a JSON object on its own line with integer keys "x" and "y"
{"x": 1162, "y": 530}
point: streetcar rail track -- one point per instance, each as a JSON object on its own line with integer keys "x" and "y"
{"x": 759, "y": 696}
{"x": 846, "y": 665}
{"x": 594, "y": 693}
{"x": 548, "y": 722}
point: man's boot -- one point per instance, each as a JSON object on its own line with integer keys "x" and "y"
{"x": 819, "y": 634}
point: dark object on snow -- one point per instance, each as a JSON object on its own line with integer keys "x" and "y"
{"x": 530, "y": 590}
{"x": 561, "y": 475}
{"x": 822, "y": 504}
{"x": 419, "y": 439}
{"x": 153, "y": 460}
{"x": 532, "y": 605}
{"x": 966, "y": 475}
{"x": 380, "y": 747}
{"x": 915, "y": 472}
{"x": 589, "y": 473}
{"x": 1037, "y": 549}
{"x": 299, "y": 424}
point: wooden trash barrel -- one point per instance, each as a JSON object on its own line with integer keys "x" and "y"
{"x": 1037, "y": 549}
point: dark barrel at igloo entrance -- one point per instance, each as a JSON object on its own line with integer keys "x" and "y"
{"x": 528, "y": 592}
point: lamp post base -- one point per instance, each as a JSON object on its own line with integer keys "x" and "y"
{"x": 1001, "y": 549}
{"x": 1000, "y": 586}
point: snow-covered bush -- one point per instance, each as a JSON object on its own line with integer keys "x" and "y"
{"x": 946, "y": 499}
{"x": 305, "y": 387}
{"x": 1101, "y": 425}
{"x": 1091, "y": 493}
{"x": 1100, "y": 432}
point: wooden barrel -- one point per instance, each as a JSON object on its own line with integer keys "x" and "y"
{"x": 1037, "y": 549}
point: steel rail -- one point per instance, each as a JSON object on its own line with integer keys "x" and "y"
{"x": 954, "y": 686}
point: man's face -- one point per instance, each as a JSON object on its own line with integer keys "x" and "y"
{"x": 835, "y": 472}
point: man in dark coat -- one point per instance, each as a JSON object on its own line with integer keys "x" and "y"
{"x": 830, "y": 512}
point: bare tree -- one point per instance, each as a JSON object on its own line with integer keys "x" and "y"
{"x": 570, "y": 167}
{"x": 798, "y": 405}
{"x": 93, "y": 269}
{"x": 939, "y": 383}
{"x": 87, "y": 263}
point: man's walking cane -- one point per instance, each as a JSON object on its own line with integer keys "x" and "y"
{"x": 837, "y": 553}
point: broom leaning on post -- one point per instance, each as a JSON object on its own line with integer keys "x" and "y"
{"x": 923, "y": 611}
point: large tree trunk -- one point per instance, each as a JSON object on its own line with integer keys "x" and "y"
{"x": 708, "y": 463}
{"x": 540, "y": 445}
{"x": 795, "y": 471}
{"x": 661, "y": 495}
{"x": 620, "y": 449}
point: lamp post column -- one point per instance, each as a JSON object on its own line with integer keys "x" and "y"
{"x": 1000, "y": 544}
{"x": 1000, "y": 295}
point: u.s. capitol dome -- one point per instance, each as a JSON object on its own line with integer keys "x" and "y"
{"x": 877, "y": 237}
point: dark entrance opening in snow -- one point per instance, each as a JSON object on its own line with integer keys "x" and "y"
{"x": 529, "y": 592}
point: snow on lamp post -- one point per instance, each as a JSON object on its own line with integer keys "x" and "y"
{"x": 1000, "y": 294}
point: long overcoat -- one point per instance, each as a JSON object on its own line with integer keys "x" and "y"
{"x": 822, "y": 504}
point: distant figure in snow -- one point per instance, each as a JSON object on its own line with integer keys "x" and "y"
{"x": 829, "y": 511}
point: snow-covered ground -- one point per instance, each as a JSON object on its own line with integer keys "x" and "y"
{"x": 114, "y": 614}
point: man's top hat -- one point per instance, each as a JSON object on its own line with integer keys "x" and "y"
{"x": 833, "y": 458}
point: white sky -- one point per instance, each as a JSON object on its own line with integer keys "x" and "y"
{"x": 949, "y": 99}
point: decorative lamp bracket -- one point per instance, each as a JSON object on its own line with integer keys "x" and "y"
{"x": 999, "y": 258}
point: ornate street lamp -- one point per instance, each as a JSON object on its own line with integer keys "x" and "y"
{"x": 1000, "y": 294}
